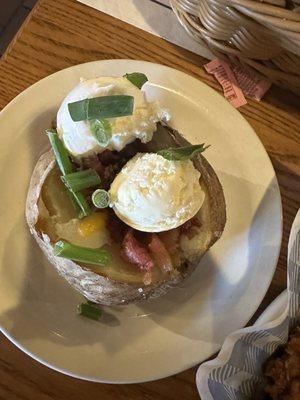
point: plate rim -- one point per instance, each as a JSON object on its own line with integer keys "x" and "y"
{"x": 280, "y": 219}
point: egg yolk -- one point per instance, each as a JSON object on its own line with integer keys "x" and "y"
{"x": 92, "y": 223}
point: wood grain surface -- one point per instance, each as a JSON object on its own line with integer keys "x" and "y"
{"x": 58, "y": 34}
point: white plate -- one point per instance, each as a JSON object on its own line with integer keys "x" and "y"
{"x": 154, "y": 339}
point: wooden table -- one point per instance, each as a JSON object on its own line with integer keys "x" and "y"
{"x": 58, "y": 34}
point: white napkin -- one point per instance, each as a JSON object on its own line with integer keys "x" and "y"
{"x": 154, "y": 16}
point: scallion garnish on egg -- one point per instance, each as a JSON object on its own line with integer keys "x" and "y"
{"x": 182, "y": 153}
{"x": 138, "y": 79}
{"x": 80, "y": 180}
{"x": 81, "y": 254}
{"x": 101, "y": 130}
{"x": 101, "y": 107}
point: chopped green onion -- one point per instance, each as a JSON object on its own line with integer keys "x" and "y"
{"x": 82, "y": 203}
{"x": 100, "y": 198}
{"x": 182, "y": 153}
{"x": 137, "y": 78}
{"x": 82, "y": 214}
{"x": 60, "y": 152}
{"x": 80, "y": 180}
{"x": 89, "y": 311}
{"x": 81, "y": 254}
{"x": 101, "y": 107}
{"x": 63, "y": 161}
{"x": 101, "y": 130}
{"x": 74, "y": 203}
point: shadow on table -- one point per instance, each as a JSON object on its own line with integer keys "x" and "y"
{"x": 153, "y": 16}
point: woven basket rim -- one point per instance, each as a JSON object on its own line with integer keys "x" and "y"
{"x": 249, "y": 32}
{"x": 265, "y": 8}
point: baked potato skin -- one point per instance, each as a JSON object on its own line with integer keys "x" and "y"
{"x": 101, "y": 289}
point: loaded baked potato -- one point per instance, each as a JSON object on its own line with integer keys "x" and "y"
{"x": 109, "y": 253}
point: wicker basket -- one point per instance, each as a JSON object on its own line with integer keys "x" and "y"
{"x": 263, "y": 35}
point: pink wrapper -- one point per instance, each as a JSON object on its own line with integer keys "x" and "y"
{"x": 237, "y": 82}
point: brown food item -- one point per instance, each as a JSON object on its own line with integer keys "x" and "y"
{"x": 135, "y": 253}
{"x": 116, "y": 228}
{"x": 160, "y": 253}
{"x": 282, "y": 371}
{"x": 171, "y": 239}
{"x": 161, "y": 245}
{"x": 107, "y": 172}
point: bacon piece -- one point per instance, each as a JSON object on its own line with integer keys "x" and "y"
{"x": 115, "y": 227}
{"x": 109, "y": 174}
{"x": 171, "y": 239}
{"x": 135, "y": 253}
{"x": 160, "y": 254}
{"x": 108, "y": 157}
{"x": 94, "y": 163}
{"x": 106, "y": 171}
